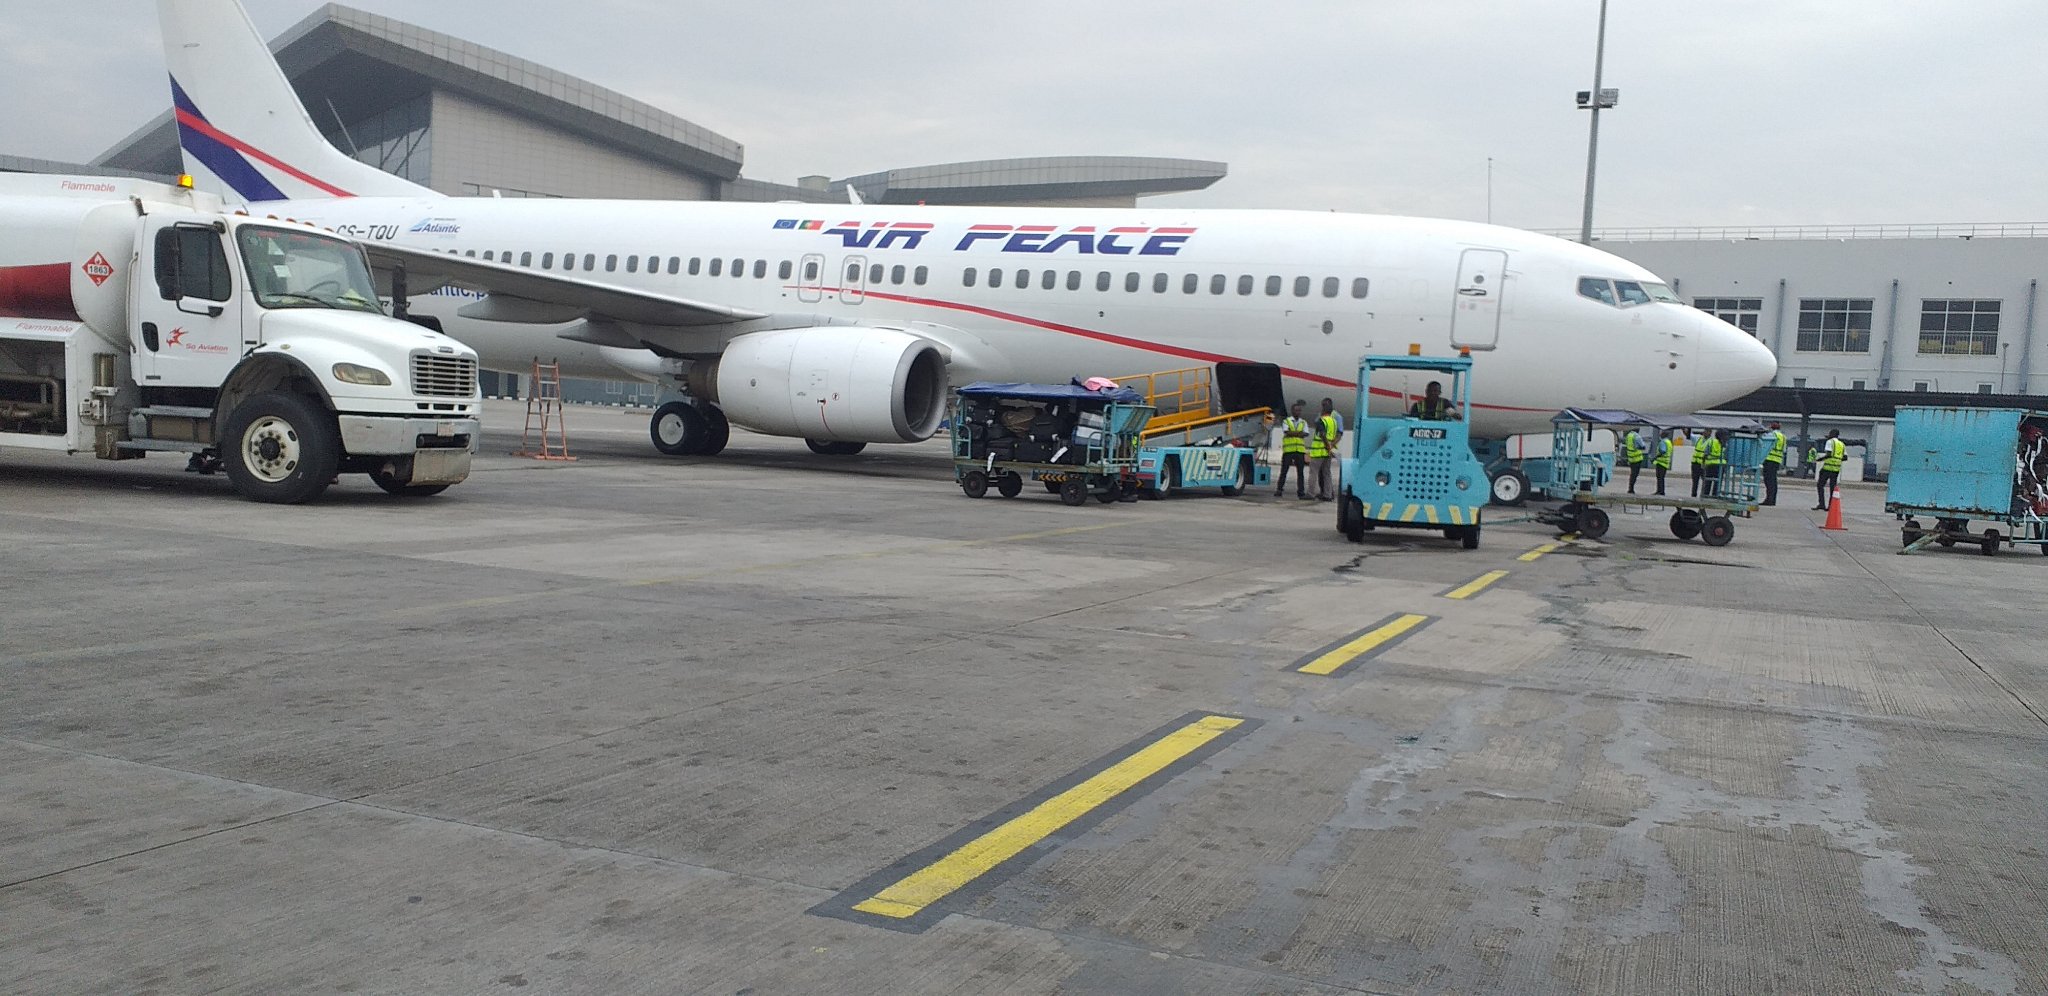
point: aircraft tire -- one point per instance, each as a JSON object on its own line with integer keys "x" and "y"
{"x": 679, "y": 429}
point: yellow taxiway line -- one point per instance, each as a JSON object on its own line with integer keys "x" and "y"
{"x": 1561, "y": 543}
{"x": 1364, "y": 643}
{"x": 1476, "y": 585}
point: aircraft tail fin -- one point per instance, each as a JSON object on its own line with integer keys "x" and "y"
{"x": 241, "y": 127}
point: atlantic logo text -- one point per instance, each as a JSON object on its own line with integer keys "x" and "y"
{"x": 436, "y": 226}
{"x": 1081, "y": 240}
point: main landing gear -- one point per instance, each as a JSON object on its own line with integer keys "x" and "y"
{"x": 680, "y": 428}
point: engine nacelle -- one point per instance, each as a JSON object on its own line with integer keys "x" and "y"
{"x": 842, "y": 384}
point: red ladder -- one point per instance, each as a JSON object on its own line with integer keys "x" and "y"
{"x": 544, "y": 415}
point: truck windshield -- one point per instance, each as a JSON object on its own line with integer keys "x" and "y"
{"x": 296, "y": 269}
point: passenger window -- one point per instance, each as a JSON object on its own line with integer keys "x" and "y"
{"x": 1631, "y": 293}
{"x": 487, "y": 254}
{"x": 1190, "y": 284}
{"x": 1073, "y": 280}
{"x": 1050, "y": 280}
{"x": 853, "y": 273}
{"x": 547, "y": 261}
{"x": 811, "y": 270}
{"x": 896, "y": 274}
{"x": 674, "y": 263}
{"x": 590, "y": 261}
{"x": 782, "y": 272}
{"x": 525, "y": 259}
{"x": 875, "y": 274}
{"x": 611, "y": 263}
{"x": 1301, "y": 286}
{"x": 1160, "y": 282}
{"x": 995, "y": 276}
{"x": 1244, "y": 285}
{"x": 918, "y": 275}
{"x": 760, "y": 269}
{"x": 717, "y": 266}
{"x": 1216, "y": 283}
{"x": 568, "y": 261}
{"x": 1131, "y": 283}
{"x": 1330, "y": 285}
{"x": 1359, "y": 286}
{"x": 967, "y": 277}
{"x": 696, "y": 265}
{"x": 632, "y": 264}
{"x": 1102, "y": 280}
{"x": 1273, "y": 286}
{"x": 1597, "y": 289}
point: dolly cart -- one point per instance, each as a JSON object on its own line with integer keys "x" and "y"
{"x": 1576, "y": 476}
{"x": 1412, "y": 473}
{"x": 1076, "y": 441}
{"x": 1952, "y": 465}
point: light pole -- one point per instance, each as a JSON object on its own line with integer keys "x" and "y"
{"x": 1594, "y": 100}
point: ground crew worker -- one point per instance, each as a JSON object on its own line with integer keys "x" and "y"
{"x": 1699, "y": 462}
{"x": 1632, "y": 450}
{"x": 1322, "y": 449}
{"x": 1716, "y": 446}
{"x": 1774, "y": 461}
{"x": 1294, "y": 451}
{"x": 1665, "y": 446}
{"x": 1433, "y": 405}
{"x": 1831, "y": 454}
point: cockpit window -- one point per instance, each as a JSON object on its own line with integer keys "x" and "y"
{"x": 1662, "y": 294}
{"x": 1597, "y": 288}
{"x": 1625, "y": 293}
{"x": 1631, "y": 293}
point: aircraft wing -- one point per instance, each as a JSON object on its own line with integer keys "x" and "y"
{"x": 522, "y": 294}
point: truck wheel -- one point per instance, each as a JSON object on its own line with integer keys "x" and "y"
{"x": 1109, "y": 493}
{"x": 1169, "y": 477}
{"x": 393, "y": 486}
{"x": 1351, "y": 519}
{"x": 1074, "y": 490}
{"x": 1510, "y": 487}
{"x": 281, "y": 448}
{"x": 1593, "y": 522}
{"x": 679, "y": 429}
{"x": 1010, "y": 485}
{"x": 1990, "y": 542}
{"x": 1471, "y": 538}
{"x": 975, "y": 484}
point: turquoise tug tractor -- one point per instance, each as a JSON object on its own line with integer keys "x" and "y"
{"x": 1413, "y": 468}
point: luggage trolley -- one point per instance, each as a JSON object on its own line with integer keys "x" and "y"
{"x": 1953, "y": 465}
{"x": 1577, "y": 476}
{"x": 1076, "y": 441}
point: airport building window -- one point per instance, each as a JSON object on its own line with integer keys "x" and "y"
{"x": 1273, "y": 286}
{"x": 1359, "y": 287}
{"x": 1742, "y": 312}
{"x": 1217, "y": 283}
{"x": 611, "y": 263}
{"x": 1330, "y": 285}
{"x": 1983, "y": 389}
{"x": 1160, "y": 282}
{"x": 1190, "y": 284}
{"x": 632, "y": 264}
{"x": 1834, "y": 325}
{"x": 547, "y": 261}
{"x": 1959, "y": 327}
{"x": 967, "y": 277}
{"x": 1131, "y": 283}
{"x": 399, "y": 141}
{"x": 1102, "y": 280}
{"x": 918, "y": 275}
{"x": 1858, "y": 385}
{"x": 717, "y": 267}
{"x": 1050, "y": 280}
{"x": 1244, "y": 285}
{"x": 696, "y": 265}
{"x": 781, "y": 272}
{"x": 1301, "y": 286}
{"x": 1073, "y": 280}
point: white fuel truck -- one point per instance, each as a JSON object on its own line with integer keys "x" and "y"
{"x": 140, "y": 317}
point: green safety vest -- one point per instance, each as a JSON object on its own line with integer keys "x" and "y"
{"x": 1634, "y": 448}
{"x": 1699, "y": 452}
{"x": 1294, "y": 444}
{"x": 1319, "y": 442}
{"x": 1834, "y": 452}
{"x": 1663, "y": 461}
{"x": 1716, "y": 454}
{"x": 1776, "y": 454}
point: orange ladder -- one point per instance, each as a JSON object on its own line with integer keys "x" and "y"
{"x": 544, "y": 415}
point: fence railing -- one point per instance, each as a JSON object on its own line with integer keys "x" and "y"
{"x": 1942, "y": 230}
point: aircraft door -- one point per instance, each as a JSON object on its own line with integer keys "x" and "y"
{"x": 811, "y": 278}
{"x": 186, "y": 316}
{"x": 1482, "y": 290}
{"x": 854, "y": 289}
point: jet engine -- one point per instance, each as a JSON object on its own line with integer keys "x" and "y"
{"x": 845, "y": 384}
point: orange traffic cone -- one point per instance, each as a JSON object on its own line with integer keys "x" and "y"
{"x": 1835, "y": 511}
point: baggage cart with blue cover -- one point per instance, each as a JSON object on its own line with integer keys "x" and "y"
{"x": 1406, "y": 472}
{"x": 1076, "y": 441}
{"x": 1954, "y": 465}
{"x": 1575, "y": 477}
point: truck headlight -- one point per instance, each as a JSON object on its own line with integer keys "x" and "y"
{"x": 356, "y": 373}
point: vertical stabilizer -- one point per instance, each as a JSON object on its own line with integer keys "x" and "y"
{"x": 241, "y": 127}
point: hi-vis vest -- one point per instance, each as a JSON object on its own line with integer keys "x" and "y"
{"x": 1633, "y": 445}
{"x": 1716, "y": 455}
{"x": 1663, "y": 461}
{"x": 1776, "y": 454}
{"x": 1294, "y": 444}
{"x": 1319, "y": 442}
{"x": 1833, "y": 452}
{"x": 1699, "y": 451}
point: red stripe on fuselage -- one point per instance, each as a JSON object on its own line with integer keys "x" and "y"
{"x": 40, "y": 290}
{"x": 199, "y": 124}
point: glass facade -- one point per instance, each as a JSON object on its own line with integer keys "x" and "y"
{"x": 399, "y": 141}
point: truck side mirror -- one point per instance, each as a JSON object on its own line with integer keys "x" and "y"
{"x": 168, "y": 258}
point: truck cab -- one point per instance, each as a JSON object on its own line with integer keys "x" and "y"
{"x": 256, "y": 346}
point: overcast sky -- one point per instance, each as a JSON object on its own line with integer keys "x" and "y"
{"x": 1733, "y": 112}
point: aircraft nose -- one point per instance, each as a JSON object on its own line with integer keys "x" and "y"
{"x": 1731, "y": 362}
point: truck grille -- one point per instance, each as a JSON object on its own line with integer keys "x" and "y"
{"x": 443, "y": 376}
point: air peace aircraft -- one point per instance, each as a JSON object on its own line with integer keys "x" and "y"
{"x": 846, "y": 324}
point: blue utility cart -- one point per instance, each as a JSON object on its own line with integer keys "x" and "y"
{"x": 1954, "y": 465}
{"x": 1575, "y": 477}
{"x": 1075, "y": 441}
{"x": 1406, "y": 472}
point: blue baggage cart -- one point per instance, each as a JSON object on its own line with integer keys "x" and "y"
{"x": 1075, "y": 441}
{"x": 1406, "y": 472}
{"x": 1576, "y": 476}
{"x": 1957, "y": 465}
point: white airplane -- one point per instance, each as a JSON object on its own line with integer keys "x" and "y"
{"x": 844, "y": 325}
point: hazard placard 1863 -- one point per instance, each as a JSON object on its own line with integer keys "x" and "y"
{"x": 98, "y": 269}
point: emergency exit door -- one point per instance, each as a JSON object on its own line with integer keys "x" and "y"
{"x": 1482, "y": 288}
